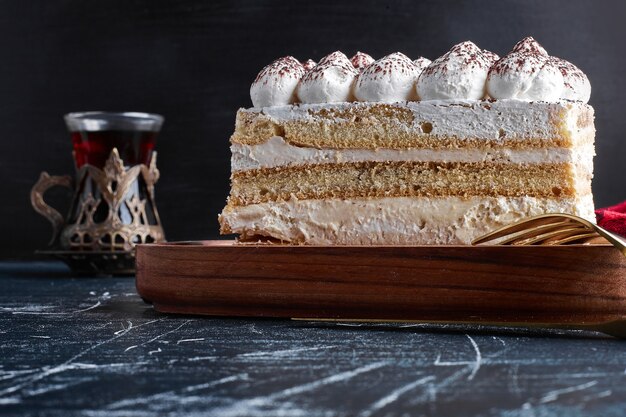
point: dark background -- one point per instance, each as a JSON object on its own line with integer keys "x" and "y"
{"x": 193, "y": 62}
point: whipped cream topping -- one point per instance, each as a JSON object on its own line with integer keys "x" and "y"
{"x": 526, "y": 73}
{"x": 309, "y": 64}
{"x": 576, "y": 85}
{"x": 329, "y": 81}
{"x": 276, "y": 83}
{"x": 458, "y": 74}
{"x": 421, "y": 63}
{"x": 390, "y": 79}
{"x": 360, "y": 60}
{"x": 466, "y": 72}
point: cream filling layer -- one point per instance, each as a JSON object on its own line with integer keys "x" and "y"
{"x": 393, "y": 220}
{"x": 277, "y": 152}
{"x": 471, "y": 119}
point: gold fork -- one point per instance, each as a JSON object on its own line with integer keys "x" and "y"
{"x": 552, "y": 229}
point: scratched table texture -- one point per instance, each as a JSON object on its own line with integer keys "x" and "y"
{"x": 91, "y": 347}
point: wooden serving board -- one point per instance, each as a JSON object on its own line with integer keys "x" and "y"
{"x": 498, "y": 284}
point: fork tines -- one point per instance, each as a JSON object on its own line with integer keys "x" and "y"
{"x": 547, "y": 229}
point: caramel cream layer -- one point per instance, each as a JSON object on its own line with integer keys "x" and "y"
{"x": 277, "y": 152}
{"x": 391, "y": 221}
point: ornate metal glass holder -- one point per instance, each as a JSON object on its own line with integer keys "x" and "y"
{"x": 113, "y": 209}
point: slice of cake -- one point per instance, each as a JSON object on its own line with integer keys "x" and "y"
{"x": 394, "y": 151}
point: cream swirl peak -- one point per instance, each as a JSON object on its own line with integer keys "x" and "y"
{"x": 491, "y": 56}
{"x": 576, "y": 85}
{"x": 276, "y": 83}
{"x": 458, "y": 74}
{"x": 421, "y": 63}
{"x": 329, "y": 81}
{"x": 309, "y": 64}
{"x": 526, "y": 73}
{"x": 390, "y": 79}
{"x": 360, "y": 60}
{"x": 529, "y": 45}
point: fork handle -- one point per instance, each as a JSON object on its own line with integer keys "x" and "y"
{"x": 615, "y": 328}
{"x": 616, "y": 240}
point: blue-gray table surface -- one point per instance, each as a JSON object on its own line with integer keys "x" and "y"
{"x": 91, "y": 347}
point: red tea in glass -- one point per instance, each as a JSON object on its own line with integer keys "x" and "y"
{"x": 95, "y": 134}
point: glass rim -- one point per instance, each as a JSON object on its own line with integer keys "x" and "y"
{"x": 106, "y": 120}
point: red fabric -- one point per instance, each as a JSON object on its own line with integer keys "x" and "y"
{"x": 613, "y": 218}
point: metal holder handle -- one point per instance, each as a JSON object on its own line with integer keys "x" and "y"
{"x": 42, "y": 185}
